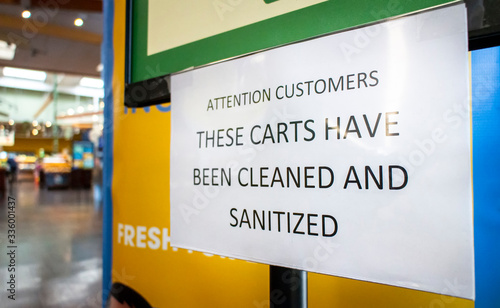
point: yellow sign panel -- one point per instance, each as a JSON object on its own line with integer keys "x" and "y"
{"x": 176, "y": 23}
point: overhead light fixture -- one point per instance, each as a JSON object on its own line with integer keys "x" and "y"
{"x": 23, "y": 73}
{"x": 78, "y": 22}
{"x": 7, "y": 50}
{"x": 11, "y": 122}
{"x": 71, "y": 111}
{"x": 48, "y": 124}
{"x": 35, "y": 123}
{"x": 34, "y": 132}
{"x": 26, "y": 14}
{"x": 91, "y": 82}
{"x": 80, "y": 109}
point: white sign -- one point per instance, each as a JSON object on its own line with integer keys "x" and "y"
{"x": 347, "y": 155}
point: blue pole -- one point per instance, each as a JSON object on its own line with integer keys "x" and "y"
{"x": 107, "y": 58}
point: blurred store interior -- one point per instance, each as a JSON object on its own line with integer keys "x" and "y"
{"x": 51, "y": 123}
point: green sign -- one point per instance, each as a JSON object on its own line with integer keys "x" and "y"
{"x": 171, "y": 36}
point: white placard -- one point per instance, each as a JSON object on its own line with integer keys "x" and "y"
{"x": 347, "y": 155}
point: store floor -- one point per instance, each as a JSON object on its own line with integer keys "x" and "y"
{"x": 58, "y": 246}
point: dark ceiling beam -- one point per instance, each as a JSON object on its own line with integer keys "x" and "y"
{"x": 75, "y": 5}
{"x": 74, "y": 34}
{"x": 17, "y": 2}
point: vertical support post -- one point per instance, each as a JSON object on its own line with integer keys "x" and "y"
{"x": 55, "y": 127}
{"x": 287, "y": 287}
{"x": 128, "y": 41}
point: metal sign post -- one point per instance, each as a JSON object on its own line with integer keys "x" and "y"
{"x": 287, "y": 287}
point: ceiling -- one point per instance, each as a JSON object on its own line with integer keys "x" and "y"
{"x": 49, "y": 40}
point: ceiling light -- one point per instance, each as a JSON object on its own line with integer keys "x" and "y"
{"x": 101, "y": 104}
{"x": 7, "y": 51}
{"x": 11, "y": 122}
{"x": 78, "y": 22}
{"x": 34, "y": 132}
{"x": 35, "y": 123}
{"x": 91, "y": 82}
{"x": 26, "y": 74}
{"x": 26, "y": 14}
{"x": 71, "y": 111}
{"x": 48, "y": 124}
{"x": 80, "y": 109}
{"x": 90, "y": 107}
